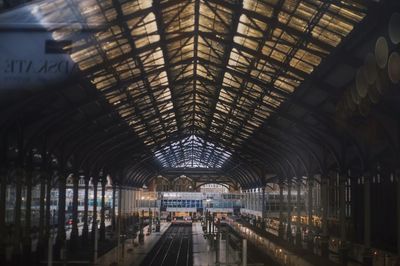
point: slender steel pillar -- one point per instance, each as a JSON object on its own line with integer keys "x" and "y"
{"x": 281, "y": 227}
{"x": 48, "y": 218}
{"x": 103, "y": 208}
{"x": 342, "y": 219}
{"x": 61, "y": 236}
{"x": 113, "y": 220}
{"x": 289, "y": 212}
{"x": 74, "y": 231}
{"x": 27, "y": 243}
{"x": 17, "y": 216}
{"x": 3, "y": 191}
{"x": 85, "y": 230}
{"x": 263, "y": 211}
{"x": 42, "y": 208}
{"x": 324, "y": 201}
{"x": 310, "y": 240}
{"x": 298, "y": 221}
{"x": 398, "y": 210}
{"x": 367, "y": 259}
{"x": 94, "y": 224}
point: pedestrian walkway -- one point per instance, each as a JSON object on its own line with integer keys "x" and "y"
{"x": 204, "y": 254}
{"x": 131, "y": 252}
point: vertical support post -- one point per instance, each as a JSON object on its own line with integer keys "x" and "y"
{"x": 48, "y": 206}
{"x": 61, "y": 236}
{"x": 113, "y": 221}
{"x": 94, "y": 222}
{"x": 244, "y": 252}
{"x": 298, "y": 207}
{"x": 209, "y": 222}
{"x": 17, "y": 217}
{"x": 50, "y": 250}
{"x": 263, "y": 211}
{"x": 281, "y": 227}
{"x": 119, "y": 224}
{"x": 3, "y": 191}
{"x": 324, "y": 201}
{"x": 227, "y": 248}
{"x": 42, "y": 207}
{"x": 28, "y": 209}
{"x": 103, "y": 209}
{"x": 398, "y": 210}
{"x": 289, "y": 212}
{"x": 74, "y": 231}
{"x": 85, "y": 230}
{"x": 96, "y": 232}
{"x": 217, "y": 250}
{"x": 367, "y": 259}
{"x": 342, "y": 219}
{"x": 310, "y": 240}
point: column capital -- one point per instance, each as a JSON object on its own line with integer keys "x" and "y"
{"x": 95, "y": 181}
{"x": 75, "y": 177}
{"x": 324, "y": 180}
{"x": 104, "y": 180}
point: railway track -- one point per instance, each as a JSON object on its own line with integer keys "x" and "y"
{"x": 173, "y": 248}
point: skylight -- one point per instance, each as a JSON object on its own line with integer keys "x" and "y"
{"x": 192, "y": 152}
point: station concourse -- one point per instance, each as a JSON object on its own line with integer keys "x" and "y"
{"x": 200, "y": 132}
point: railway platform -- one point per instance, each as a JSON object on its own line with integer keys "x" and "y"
{"x": 132, "y": 253}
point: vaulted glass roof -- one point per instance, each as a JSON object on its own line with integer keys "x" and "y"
{"x": 192, "y": 152}
{"x": 195, "y": 79}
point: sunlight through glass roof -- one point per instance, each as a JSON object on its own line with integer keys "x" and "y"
{"x": 192, "y": 152}
{"x": 211, "y": 70}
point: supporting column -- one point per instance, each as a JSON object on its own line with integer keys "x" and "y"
{"x": 42, "y": 208}
{"x": 94, "y": 221}
{"x": 17, "y": 217}
{"x": 27, "y": 243}
{"x": 48, "y": 218}
{"x": 244, "y": 252}
{"x": 119, "y": 223}
{"x": 263, "y": 211}
{"x": 3, "y": 190}
{"x": 342, "y": 219}
{"x": 398, "y": 211}
{"x": 85, "y": 230}
{"x": 298, "y": 220}
{"x": 74, "y": 231}
{"x": 324, "y": 201}
{"x": 281, "y": 227}
{"x": 103, "y": 208}
{"x": 367, "y": 259}
{"x": 289, "y": 212}
{"x": 310, "y": 239}
{"x": 61, "y": 236}
{"x": 113, "y": 220}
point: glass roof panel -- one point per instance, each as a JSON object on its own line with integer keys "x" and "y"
{"x": 186, "y": 75}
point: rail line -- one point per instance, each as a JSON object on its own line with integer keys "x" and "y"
{"x": 174, "y": 248}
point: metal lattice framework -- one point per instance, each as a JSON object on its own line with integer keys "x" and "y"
{"x": 202, "y": 83}
{"x": 179, "y": 70}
